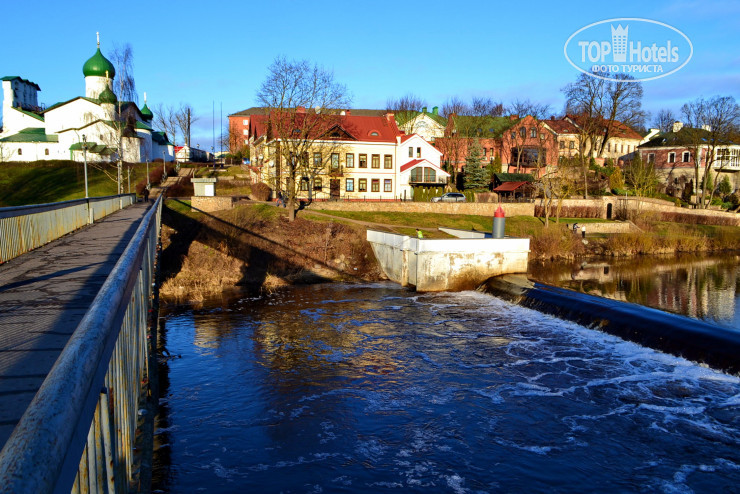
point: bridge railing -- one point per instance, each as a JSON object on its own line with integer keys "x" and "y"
{"x": 24, "y": 228}
{"x": 79, "y": 431}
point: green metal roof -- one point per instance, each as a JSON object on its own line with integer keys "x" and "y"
{"x": 31, "y": 134}
{"x": 469, "y": 126}
{"x": 403, "y": 117}
{"x": 62, "y": 103}
{"x": 107, "y": 96}
{"x": 143, "y": 125}
{"x": 147, "y": 113}
{"x": 685, "y": 137}
{"x": 98, "y": 65}
{"x": 30, "y": 114}
{"x": 160, "y": 138}
{"x": 14, "y": 77}
{"x": 93, "y": 147}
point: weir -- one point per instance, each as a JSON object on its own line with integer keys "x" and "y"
{"x": 79, "y": 432}
{"x": 693, "y": 339}
{"x": 431, "y": 265}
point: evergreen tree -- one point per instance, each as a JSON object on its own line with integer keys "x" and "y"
{"x": 476, "y": 177}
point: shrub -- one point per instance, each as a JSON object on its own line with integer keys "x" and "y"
{"x": 183, "y": 188}
{"x": 556, "y": 241}
{"x": 260, "y": 192}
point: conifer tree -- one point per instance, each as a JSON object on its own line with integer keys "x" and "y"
{"x": 476, "y": 177}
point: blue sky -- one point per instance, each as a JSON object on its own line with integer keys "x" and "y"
{"x": 217, "y": 52}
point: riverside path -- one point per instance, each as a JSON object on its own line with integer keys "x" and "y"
{"x": 43, "y": 296}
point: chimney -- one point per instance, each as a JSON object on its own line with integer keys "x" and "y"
{"x": 677, "y": 126}
{"x": 300, "y": 109}
{"x": 390, "y": 117}
{"x": 435, "y": 110}
{"x": 348, "y": 112}
{"x": 424, "y": 109}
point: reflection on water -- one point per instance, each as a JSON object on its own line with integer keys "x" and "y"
{"x": 373, "y": 388}
{"x": 700, "y": 287}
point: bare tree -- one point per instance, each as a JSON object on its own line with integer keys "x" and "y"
{"x": 664, "y": 120}
{"x": 185, "y": 120}
{"x": 711, "y": 124}
{"x": 405, "y": 109}
{"x": 455, "y": 106}
{"x": 486, "y": 107}
{"x": 165, "y": 119}
{"x": 125, "y": 91}
{"x": 301, "y": 101}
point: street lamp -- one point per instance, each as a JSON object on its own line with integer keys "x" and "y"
{"x": 84, "y": 154}
{"x": 164, "y": 166}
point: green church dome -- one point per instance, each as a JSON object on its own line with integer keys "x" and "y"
{"x": 108, "y": 96}
{"x": 147, "y": 113}
{"x": 98, "y": 65}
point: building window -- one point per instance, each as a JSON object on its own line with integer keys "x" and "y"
{"x": 363, "y": 161}
{"x": 621, "y": 148}
{"x": 20, "y": 151}
{"x": 245, "y": 132}
{"x": 513, "y": 136}
{"x": 411, "y": 152}
{"x": 418, "y": 152}
{"x": 571, "y": 145}
{"x": 686, "y": 156}
{"x": 533, "y": 132}
{"x": 523, "y": 132}
{"x": 375, "y": 184}
{"x": 317, "y": 160}
{"x": 317, "y": 184}
{"x": 46, "y": 151}
{"x": 387, "y": 185}
{"x": 609, "y": 147}
{"x": 335, "y": 161}
{"x": 304, "y": 183}
{"x": 350, "y": 160}
{"x": 671, "y": 157}
{"x": 245, "y": 122}
{"x": 388, "y": 162}
{"x": 350, "y": 185}
{"x": 375, "y": 161}
{"x": 651, "y": 157}
{"x": 484, "y": 152}
{"x": 362, "y": 185}
{"x": 562, "y": 144}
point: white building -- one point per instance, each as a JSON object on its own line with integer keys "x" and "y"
{"x": 95, "y": 122}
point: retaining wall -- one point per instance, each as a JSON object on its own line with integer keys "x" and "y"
{"x": 475, "y": 208}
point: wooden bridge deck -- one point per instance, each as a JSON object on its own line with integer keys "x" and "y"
{"x": 43, "y": 296}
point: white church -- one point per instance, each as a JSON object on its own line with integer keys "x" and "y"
{"x": 94, "y": 122}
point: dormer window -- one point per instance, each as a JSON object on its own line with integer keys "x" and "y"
{"x": 374, "y": 134}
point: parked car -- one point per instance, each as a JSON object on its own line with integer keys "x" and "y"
{"x": 449, "y": 197}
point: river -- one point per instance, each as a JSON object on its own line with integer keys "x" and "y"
{"x": 374, "y": 388}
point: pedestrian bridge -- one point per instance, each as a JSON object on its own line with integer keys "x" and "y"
{"x": 76, "y": 291}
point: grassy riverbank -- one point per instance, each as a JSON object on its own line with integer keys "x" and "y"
{"x": 254, "y": 247}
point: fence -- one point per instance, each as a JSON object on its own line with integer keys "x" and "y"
{"x": 78, "y": 433}
{"x": 25, "y": 228}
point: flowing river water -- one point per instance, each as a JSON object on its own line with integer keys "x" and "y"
{"x": 374, "y": 388}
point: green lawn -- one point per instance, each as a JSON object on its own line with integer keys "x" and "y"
{"x": 38, "y": 183}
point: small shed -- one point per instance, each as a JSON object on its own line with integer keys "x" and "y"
{"x": 204, "y": 187}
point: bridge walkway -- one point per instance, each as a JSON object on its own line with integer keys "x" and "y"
{"x": 43, "y": 296}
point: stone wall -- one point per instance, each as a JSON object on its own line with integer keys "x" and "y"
{"x": 475, "y": 208}
{"x": 209, "y": 204}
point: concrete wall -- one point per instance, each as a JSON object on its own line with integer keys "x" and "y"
{"x": 447, "y": 264}
{"x": 209, "y": 204}
{"x": 479, "y": 208}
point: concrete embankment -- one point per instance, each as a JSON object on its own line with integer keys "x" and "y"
{"x": 692, "y": 339}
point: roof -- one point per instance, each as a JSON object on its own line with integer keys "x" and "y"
{"x": 509, "y": 186}
{"x": 486, "y": 126}
{"x": 31, "y": 134}
{"x": 405, "y": 116}
{"x": 143, "y": 125}
{"x": 513, "y": 177}
{"x": 345, "y": 127}
{"x": 685, "y": 137}
{"x": 62, "y": 103}
{"x": 99, "y": 66}
{"x": 160, "y": 138}
{"x": 261, "y": 110}
{"x": 422, "y": 162}
{"x": 619, "y": 129}
{"x": 29, "y": 113}
{"x": 561, "y": 126}
{"x": 93, "y": 147}
{"x": 26, "y": 81}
